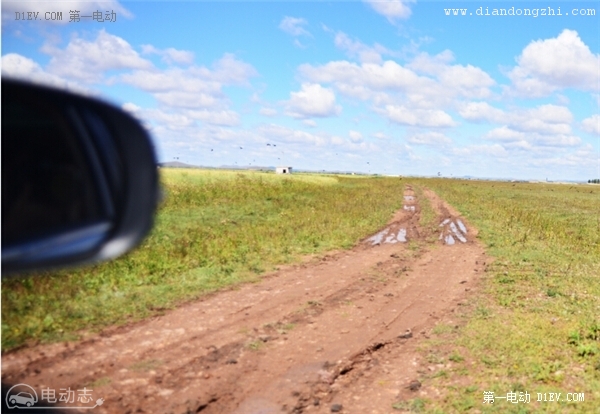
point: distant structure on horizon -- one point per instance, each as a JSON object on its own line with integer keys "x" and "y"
{"x": 283, "y": 170}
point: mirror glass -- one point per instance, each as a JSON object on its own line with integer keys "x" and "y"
{"x": 48, "y": 185}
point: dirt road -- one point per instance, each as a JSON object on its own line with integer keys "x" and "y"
{"x": 337, "y": 334}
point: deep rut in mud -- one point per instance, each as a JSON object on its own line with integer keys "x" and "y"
{"x": 337, "y": 333}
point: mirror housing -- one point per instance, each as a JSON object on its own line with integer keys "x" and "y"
{"x": 79, "y": 179}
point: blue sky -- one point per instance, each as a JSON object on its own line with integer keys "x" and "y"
{"x": 390, "y": 87}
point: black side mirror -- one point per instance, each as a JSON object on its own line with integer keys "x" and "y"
{"x": 79, "y": 179}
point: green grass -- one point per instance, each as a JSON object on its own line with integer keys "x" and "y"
{"x": 428, "y": 216}
{"x": 215, "y": 229}
{"x": 535, "y": 324}
{"x": 416, "y": 405}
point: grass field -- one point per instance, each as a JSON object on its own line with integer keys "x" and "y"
{"x": 214, "y": 229}
{"x": 534, "y": 326}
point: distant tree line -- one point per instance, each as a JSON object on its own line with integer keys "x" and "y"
{"x": 594, "y": 181}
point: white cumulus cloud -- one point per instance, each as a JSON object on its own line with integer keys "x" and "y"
{"x": 88, "y": 60}
{"x": 20, "y": 67}
{"x": 312, "y": 100}
{"x": 357, "y": 49}
{"x": 170, "y": 55}
{"x": 431, "y": 65}
{"x": 355, "y": 136}
{"x": 192, "y": 87}
{"x": 391, "y": 83}
{"x": 591, "y": 124}
{"x": 293, "y": 26}
{"x": 528, "y": 140}
{"x": 418, "y": 117}
{"x": 393, "y": 10}
{"x": 553, "y": 64}
{"x": 544, "y": 119}
{"x": 481, "y": 111}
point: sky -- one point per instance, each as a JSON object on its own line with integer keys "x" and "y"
{"x": 398, "y": 87}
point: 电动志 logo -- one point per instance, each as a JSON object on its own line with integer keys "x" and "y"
{"x": 23, "y": 396}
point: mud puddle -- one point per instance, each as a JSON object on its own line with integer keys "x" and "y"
{"x": 401, "y": 230}
{"x": 453, "y": 229}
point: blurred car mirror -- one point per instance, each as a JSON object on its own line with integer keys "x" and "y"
{"x": 79, "y": 179}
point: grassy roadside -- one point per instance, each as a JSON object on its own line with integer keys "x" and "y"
{"x": 215, "y": 229}
{"x": 535, "y": 325}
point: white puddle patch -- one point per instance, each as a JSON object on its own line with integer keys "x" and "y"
{"x": 458, "y": 235}
{"x": 389, "y": 235}
{"x": 443, "y": 223}
{"x": 453, "y": 231}
{"x": 402, "y": 236}
{"x": 462, "y": 226}
{"x": 391, "y": 238}
{"x": 376, "y": 239}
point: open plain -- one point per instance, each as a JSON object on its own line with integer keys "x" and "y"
{"x": 434, "y": 305}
